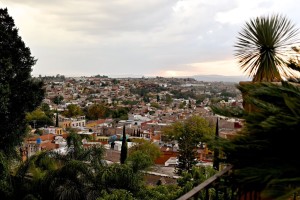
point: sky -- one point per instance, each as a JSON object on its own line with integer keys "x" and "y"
{"x": 138, "y": 37}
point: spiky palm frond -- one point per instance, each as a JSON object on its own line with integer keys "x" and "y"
{"x": 71, "y": 181}
{"x": 263, "y": 45}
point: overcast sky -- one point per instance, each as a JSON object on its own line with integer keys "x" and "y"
{"x": 138, "y": 37}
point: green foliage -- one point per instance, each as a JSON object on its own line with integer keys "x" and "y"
{"x": 117, "y": 195}
{"x": 182, "y": 105}
{"x": 120, "y": 113}
{"x": 115, "y": 81}
{"x": 215, "y": 100}
{"x": 155, "y": 105}
{"x": 139, "y": 161}
{"x": 262, "y": 47}
{"x": 74, "y": 143}
{"x": 143, "y": 154}
{"x": 38, "y": 118}
{"x": 189, "y": 134}
{"x": 122, "y": 176}
{"x": 58, "y": 99}
{"x": 146, "y": 147}
{"x": 55, "y": 176}
{"x": 157, "y": 98}
{"x": 97, "y": 111}
{"x": 169, "y": 99}
{"x": 263, "y": 154}
{"x": 73, "y": 111}
{"x": 129, "y": 102}
{"x": 146, "y": 89}
{"x": 45, "y": 107}
{"x": 161, "y": 192}
{"x": 100, "y": 76}
{"x": 185, "y": 95}
{"x": 19, "y": 92}
{"x": 229, "y": 111}
{"x": 196, "y": 176}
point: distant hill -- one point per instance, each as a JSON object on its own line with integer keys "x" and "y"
{"x": 220, "y": 78}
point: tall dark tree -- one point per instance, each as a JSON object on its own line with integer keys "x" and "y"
{"x": 56, "y": 119}
{"x": 19, "y": 92}
{"x": 124, "y": 147}
{"x": 216, "y": 150}
{"x": 58, "y": 99}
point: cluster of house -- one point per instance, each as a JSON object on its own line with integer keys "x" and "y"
{"x": 106, "y": 131}
{"x": 145, "y": 120}
{"x": 85, "y": 91}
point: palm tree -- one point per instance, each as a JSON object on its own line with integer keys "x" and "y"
{"x": 263, "y": 47}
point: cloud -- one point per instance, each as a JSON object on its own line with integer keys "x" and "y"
{"x": 131, "y": 36}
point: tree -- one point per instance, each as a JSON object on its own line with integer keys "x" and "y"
{"x": 262, "y": 47}
{"x": 97, "y": 111}
{"x": 74, "y": 175}
{"x": 169, "y": 99}
{"x": 73, "y": 111}
{"x": 46, "y": 108}
{"x": 38, "y": 118}
{"x": 196, "y": 176}
{"x": 74, "y": 143}
{"x": 139, "y": 161}
{"x": 216, "y": 150}
{"x": 189, "y": 134}
{"x": 143, "y": 154}
{"x": 58, "y": 99}
{"x": 155, "y": 105}
{"x": 119, "y": 194}
{"x": 263, "y": 153}
{"x": 19, "y": 92}
{"x": 146, "y": 147}
{"x": 120, "y": 113}
{"x": 124, "y": 147}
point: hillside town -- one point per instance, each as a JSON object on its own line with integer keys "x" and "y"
{"x": 143, "y": 105}
{"x": 167, "y": 135}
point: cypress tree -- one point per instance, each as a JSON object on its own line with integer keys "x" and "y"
{"x": 216, "y": 150}
{"x": 124, "y": 147}
{"x": 56, "y": 121}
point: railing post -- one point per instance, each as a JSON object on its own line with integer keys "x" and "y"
{"x": 206, "y": 193}
{"x": 217, "y": 188}
{"x": 196, "y": 196}
{"x": 205, "y": 186}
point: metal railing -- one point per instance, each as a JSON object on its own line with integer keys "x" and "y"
{"x": 202, "y": 191}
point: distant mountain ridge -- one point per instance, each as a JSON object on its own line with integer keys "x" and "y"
{"x": 220, "y": 78}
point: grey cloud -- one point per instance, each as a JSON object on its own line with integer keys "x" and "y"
{"x": 126, "y": 36}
